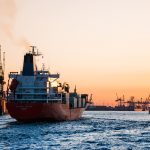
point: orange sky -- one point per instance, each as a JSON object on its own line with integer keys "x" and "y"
{"x": 101, "y": 46}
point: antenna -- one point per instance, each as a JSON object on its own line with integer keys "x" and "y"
{"x": 33, "y": 51}
{"x": 33, "y": 48}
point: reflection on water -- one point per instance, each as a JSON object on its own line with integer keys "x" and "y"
{"x": 95, "y": 130}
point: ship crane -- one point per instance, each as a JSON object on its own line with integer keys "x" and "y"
{"x": 145, "y": 104}
{"x": 131, "y": 102}
{"x": 148, "y": 99}
{"x": 2, "y": 82}
{"x": 138, "y": 105}
{"x": 1, "y": 74}
{"x": 120, "y": 100}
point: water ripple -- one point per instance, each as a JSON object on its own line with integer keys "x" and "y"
{"x": 96, "y": 130}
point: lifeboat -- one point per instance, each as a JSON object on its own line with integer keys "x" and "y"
{"x": 13, "y": 84}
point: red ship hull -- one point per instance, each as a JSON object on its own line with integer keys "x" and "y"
{"x": 29, "y": 112}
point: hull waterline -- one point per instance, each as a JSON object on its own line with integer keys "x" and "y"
{"x": 29, "y": 112}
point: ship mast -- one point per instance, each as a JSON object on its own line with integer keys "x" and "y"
{"x": 33, "y": 51}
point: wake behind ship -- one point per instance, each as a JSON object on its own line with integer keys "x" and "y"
{"x": 37, "y": 95}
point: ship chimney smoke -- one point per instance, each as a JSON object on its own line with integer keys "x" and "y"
{"x": 8, "y": 11}
{"x": 7, "y": 15}
{"x": 24, "y": 43}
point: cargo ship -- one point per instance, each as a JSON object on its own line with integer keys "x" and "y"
{"x": 37, "y": 95}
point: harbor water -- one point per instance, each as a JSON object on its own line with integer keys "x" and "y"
{"x": 95, "y": 130}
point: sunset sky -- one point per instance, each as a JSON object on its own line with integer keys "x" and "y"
{"x": 101, "y": 46}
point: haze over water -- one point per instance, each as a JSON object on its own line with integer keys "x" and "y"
{"x": 95, "y": 130}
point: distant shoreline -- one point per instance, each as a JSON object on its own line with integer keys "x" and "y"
{"x": 110, "y": 108}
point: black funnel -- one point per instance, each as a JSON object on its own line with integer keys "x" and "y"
{"x": 28, "y": 65}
